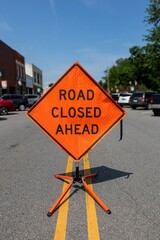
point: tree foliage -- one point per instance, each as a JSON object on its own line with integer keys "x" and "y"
{"x": 143, "y": 65}
{"x": 50, "y": 84}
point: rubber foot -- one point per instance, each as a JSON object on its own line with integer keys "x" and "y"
{"x": 49, "y": 214}
{"x": 108, "y": 212}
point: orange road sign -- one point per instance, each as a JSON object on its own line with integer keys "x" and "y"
{"x": 76, "y": 112}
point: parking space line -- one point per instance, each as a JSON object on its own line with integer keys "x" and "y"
{"x": 93, "y": 230}
{"x": 60, "y": 231}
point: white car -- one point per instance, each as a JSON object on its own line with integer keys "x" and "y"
{"x": 31, "y": 98}
{"x": 124, "y": 98}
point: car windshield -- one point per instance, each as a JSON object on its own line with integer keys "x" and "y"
{"x": 125, "y": 94}
{"x": 137, "y": 95}
{"x": 5, "y": 96}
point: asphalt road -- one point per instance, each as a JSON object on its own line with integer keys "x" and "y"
{"x": 128, "y": 181}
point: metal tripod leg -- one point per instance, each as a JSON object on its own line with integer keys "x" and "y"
{"x": 81, "y": 179}
{"x": 95, "y": 197}
{"x": 54, "y": 207}
{"x": 63, "y": 177}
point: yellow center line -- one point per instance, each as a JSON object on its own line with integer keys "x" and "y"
{"x": 93, "y": 231}
{"x": 61, "y": 226}
{"x": 60, "y": 231}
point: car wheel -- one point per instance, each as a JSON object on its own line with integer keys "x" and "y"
{"x": 133, "y": 107}
{"x": 3, "y": 111}
{"x": 148, "y": 106}
{"x": 22, "y": 107}
{"x": 156, "y": 112}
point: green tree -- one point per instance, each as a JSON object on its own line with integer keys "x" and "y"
{"x": 104, "y": 81}
{"x": 153, "y": 38}
{"x": 125, "y": 71}
{"x": 140, "y": 61}
{"x": 109, "y": 81}
{"x": 143, "y": 65}
{"x": 119, "y": 75}
{"x": 153, "y": 19}
{"x": 50, "y": 84}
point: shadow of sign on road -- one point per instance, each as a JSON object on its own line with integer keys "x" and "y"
{"x": 103, "y": 174}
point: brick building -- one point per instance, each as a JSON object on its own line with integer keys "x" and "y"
{"x": 12, "y": 70}
{"x": 16, "y": 76}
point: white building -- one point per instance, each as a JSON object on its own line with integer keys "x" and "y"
{"x": 34, "y": 78}
{"x": 29, "y": 84}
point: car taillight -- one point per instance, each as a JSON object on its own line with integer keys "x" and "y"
{"x": 151, "y": 99}
{"x": 142, "y": 99}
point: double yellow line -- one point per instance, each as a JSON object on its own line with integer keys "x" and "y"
{"x": 61, "y": 226}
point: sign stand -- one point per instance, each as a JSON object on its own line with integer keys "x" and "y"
{"x": 76, "y": 113}
{"x": 81, "y": 179}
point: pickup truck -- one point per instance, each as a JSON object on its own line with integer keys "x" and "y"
{"x": 155, "y": 104}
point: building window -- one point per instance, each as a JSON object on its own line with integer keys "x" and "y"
{"x": 38, "y": 78}
{"x": 35, "y": 79}
{"x": 20, "y": 70}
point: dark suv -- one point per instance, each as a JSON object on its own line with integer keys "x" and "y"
{"x": 140, "y": 99}
{"x": 18, "y": 100}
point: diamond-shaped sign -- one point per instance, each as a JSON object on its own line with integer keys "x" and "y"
{"x": 76, "y": 112}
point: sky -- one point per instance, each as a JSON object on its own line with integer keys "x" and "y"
{"x": 53, "y": 34}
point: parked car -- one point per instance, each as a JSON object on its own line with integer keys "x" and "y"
{"x": 124, "y": 99}
{"x": 140, "y": 99}
{"x": 6, "y": 106}
{"x": 31, "y": 98}
{"x": 115, "y": 96}
{"x": 18, "y": 100}
{"x": 155, "y": 104}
